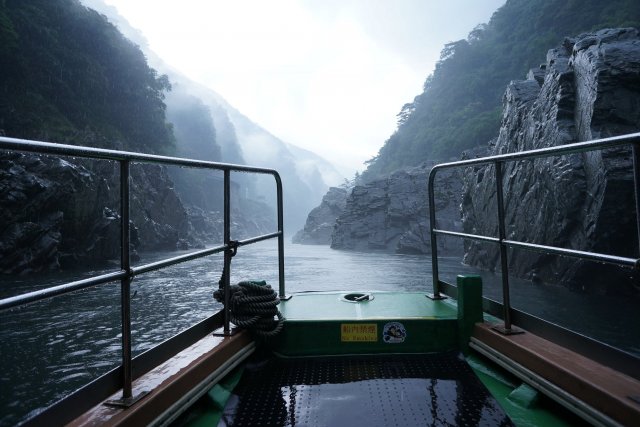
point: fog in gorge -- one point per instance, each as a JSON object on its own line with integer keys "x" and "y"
{"x": 234, "y": 138}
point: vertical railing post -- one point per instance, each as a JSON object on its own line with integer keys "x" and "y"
{"x": 125, "y": 292}
{"x": 434, "y": 242}
{"x": 125, "y": 289}
{"x": 506, "y": 300}
{"x": 636, "y": 186}
{"x": 227, "y": 252}
{"x": 281, "y": 287}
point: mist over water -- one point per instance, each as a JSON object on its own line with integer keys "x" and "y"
{"x": 53, "y": 347}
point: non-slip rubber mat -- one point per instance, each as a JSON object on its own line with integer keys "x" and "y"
{"x": 389, "y": 390}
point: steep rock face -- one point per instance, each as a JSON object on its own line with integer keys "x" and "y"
{"x": 157, "y": 210}
{"x": 392, "y": 214}
{"x": 61, "y": 213}
{"x": 590, "y": 89}
{"x": 319, "y": 225}
{"x": 44, "y": 199}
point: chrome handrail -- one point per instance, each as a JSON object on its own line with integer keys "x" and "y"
{"x": 498, "y": 161}
{"x": 127, "y": 272}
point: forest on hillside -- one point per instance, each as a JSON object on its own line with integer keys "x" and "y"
{"x": 460, "y": 107}
{"x": 68, "y": 75}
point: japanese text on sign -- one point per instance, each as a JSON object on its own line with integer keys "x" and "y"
{"x": 358, "y": 332}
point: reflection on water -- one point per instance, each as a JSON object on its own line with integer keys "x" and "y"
{"x": 53, "y": 347}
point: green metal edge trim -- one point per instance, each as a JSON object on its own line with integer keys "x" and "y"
{"x": 208, "y": 410}
{"x": 502, "y": 385}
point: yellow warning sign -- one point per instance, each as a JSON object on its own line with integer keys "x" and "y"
{"x": 358, "y": 332}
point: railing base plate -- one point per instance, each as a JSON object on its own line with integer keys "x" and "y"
{"x": 126, "y": 402}
{"x": 504, "y": 331}
{"x": 436, "y": 297}
{"x": 220, "y": 332}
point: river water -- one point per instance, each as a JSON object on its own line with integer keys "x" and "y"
{"x": 53, "y": 347}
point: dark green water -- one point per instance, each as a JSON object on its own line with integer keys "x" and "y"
{"x": 51, "y": 348}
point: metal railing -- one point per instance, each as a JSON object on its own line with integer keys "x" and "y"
{"x": 127, "y": 272}
{"x": 498, "y": 161}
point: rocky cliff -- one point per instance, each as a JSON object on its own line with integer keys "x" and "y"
{"x": 61, "y": 213}
{"x": 319, "y": 225}
{"x": 392, "y": 214}
{"x": 589, "y": 88}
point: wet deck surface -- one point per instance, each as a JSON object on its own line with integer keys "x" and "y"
{"x": 390, "y": 390}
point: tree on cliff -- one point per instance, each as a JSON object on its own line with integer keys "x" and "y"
{"x": 68, "y": 75}
{"x": 460, "y": 106}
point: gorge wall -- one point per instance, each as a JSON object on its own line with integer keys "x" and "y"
{"x": 589, "y": 88}
{"x": 392, "y": 214}
{"x": 60, "y": 213}
{"x": 320, "y": 221}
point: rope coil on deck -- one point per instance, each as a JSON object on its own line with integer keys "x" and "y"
{"x": 253, "y": 305}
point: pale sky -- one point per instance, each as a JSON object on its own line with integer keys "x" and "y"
{"x": 326, "y": 75}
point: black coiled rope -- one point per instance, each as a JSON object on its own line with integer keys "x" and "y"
{"x": 254, "y": 306}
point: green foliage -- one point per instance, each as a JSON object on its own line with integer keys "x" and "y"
{"x": 68, "y": 75}
{"x": 460, "y": 107}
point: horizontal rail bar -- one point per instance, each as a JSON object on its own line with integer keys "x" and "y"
{"x": 259, "y": 238}
{"x": 53, "y": 291}
{"x": 80, "y": 401}
{"x": 606, "y": 354}
{"x": 593, "y": 256}
{"x": 127, "y": 272}
{"x": 176, "y": 260}
{"x": 467, "y": 236}
{"x": 104, "y": 154}
{"x": 98, "y": 280}
{"x": 41, "y": 147}
{"x": 66, "y": 288}
{"x": 578, "y": 147}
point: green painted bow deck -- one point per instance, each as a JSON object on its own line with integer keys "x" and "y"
{"x": 351, "y": 335}
{"x": 315, "y": 324}
{"x": 335, "y": 364}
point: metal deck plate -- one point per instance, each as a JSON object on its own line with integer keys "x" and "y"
{"x": 398, "y": 390}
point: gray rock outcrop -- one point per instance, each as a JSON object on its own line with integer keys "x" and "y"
{"x": 49, "y": 206}
{"x": 589, "y": 88}
{"x": 319, "y": 225}
{"x": 392, "y": 214}
{"x": 63, "y": 213}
